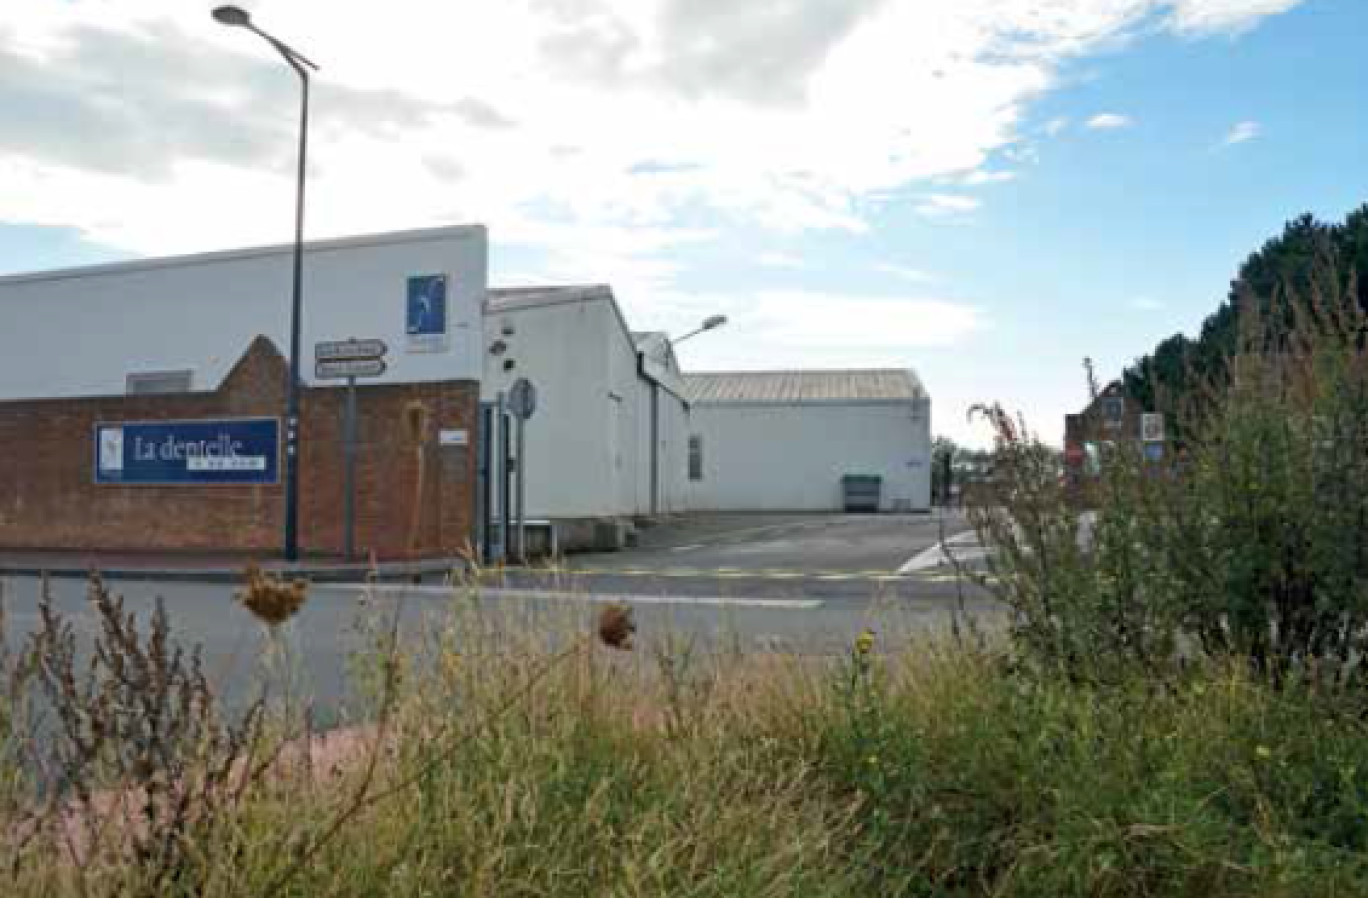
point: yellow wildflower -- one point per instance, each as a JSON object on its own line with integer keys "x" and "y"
{"x": 864, "y": 643}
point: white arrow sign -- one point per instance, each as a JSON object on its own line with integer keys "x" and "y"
{"x": 347, "y": 350}
{"x": 349, "y": 368}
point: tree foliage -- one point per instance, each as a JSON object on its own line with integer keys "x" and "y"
{"x": 1287, "y": 266}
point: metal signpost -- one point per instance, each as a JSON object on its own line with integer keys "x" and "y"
{"x": 522, "y": 402}
{"x": 501, "y": 468}
{"x": 349, "y": 359}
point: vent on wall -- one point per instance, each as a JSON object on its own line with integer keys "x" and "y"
{"x": 159, "y": 382}
{"x": 695, "y": 457}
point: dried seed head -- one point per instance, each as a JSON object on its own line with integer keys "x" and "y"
{"x": 616, "y": 627}
{"x": 270, "y": 599}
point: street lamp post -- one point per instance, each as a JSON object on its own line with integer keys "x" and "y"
{"x": 237, "y": 17}
{"x": 710, "y": 323}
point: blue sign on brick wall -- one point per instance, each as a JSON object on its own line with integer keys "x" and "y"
{"x": 238, "y": 450}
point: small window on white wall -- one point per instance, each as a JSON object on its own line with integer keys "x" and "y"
{"x": 159, "y": 382}
{"x": 695, "y": 457}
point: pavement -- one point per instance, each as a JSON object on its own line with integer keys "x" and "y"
{"x": 799, "y": 584}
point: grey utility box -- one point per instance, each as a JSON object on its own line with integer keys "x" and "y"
{"x": 862, "y": 492}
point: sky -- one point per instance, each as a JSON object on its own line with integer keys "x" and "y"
{"x": 985, "y": 191}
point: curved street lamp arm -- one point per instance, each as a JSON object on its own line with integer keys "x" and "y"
{"x": 292, "y": 56}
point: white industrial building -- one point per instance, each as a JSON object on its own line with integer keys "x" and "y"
{"x": 784, "y": 440}
{"x": 619, "y": 433}
{"x": 180, "y": 324}
{"x": 143, "y": 403}
{"x": 609, "y": 436}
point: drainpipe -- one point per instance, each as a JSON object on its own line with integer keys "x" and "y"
{"x": 655, "y": 448}
{"x": 655, "y": 431}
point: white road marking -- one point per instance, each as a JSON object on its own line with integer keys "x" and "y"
{"x": 687, "y": 548}
{"x": 558, "y": 595}
{"x": 936, "y": 556}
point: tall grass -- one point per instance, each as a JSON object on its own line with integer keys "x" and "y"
{"x": 509, "y": 763}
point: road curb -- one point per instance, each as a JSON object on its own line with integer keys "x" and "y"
{"x": 389, "y": 572}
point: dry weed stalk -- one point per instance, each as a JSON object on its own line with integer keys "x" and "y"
{"x": 144, "y": 766}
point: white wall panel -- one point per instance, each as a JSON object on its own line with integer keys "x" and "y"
{"x": 792, "y": 457}
{"x": 82, "y": 332}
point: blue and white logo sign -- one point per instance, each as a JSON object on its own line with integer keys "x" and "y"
{"x": 426, "y": 316}
{"x": 234, "y": 451}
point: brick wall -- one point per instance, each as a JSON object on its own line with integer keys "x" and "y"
{"x": 414, "y": 498}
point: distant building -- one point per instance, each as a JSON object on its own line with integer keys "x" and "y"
{"x": 784, "y": 440}
{"x": 1111, "y": 420}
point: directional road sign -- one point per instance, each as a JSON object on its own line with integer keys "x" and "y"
{"x": 332, "y": 370}
{"x": 349, "y": 350}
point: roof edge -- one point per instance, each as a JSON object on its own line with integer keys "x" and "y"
{"x": 790, "y": 403}
{"x": 130, "y": 266}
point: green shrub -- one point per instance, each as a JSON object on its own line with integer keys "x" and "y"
{"x": 1249, "y": 539}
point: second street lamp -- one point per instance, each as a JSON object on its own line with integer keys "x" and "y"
{"x": 236, "y": 17}
{"x": 712, "y": 322}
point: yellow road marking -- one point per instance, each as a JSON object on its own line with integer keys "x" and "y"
{"x": 733, "y": 573}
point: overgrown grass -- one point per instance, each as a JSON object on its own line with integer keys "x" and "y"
{"x": 525, "y": 765}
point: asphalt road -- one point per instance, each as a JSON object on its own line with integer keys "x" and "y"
{"x": 835, "y": 558}
{"x": 807, "y": 585}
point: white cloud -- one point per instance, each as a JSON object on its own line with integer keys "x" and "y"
{"x": 780, "y": 260}
{"x": 1199, "y": 17}
{"x": 800, "y": 328}
{"x": 600, "y": 131}
{"x": 936, "y": 205}
{"x": 613, "y": 111}
{"x": 905, "y": 272}
{"x": 1146, "y": 304}
{"x": 1109, "y": 121}
{"x": 980, "y": 177}
{"x": 1055, "y": 126}
{"x": 1244, "y": 131}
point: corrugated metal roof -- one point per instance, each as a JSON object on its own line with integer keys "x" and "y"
{"x": 739, "y": 387}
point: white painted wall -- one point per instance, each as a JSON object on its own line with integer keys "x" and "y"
{"x": 792, "y": 457}
{"x": 82, "y": 332}
{"x": 563, "y": 350}
{"x": 672, "y": 436}
{"x": 661, "y": 379}
{"x": 588, "y": 445}
{"x": 674, "y": 453}
{"x": 627, "y": 452}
